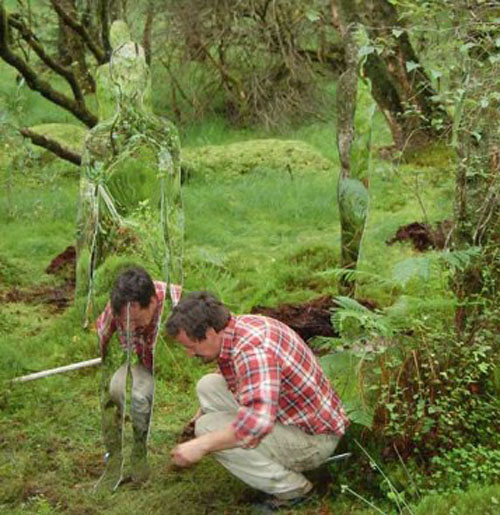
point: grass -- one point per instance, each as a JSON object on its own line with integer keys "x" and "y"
{"x": 261, "y": 238}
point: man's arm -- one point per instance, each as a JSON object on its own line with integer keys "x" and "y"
{"x": 257, "y": 393}
{"x": 106, "y": 326}
{"x": 191, "y": 452}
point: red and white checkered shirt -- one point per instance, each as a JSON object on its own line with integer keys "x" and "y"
{"x": 144, "y": 341}
{"x": 274, "y": 376}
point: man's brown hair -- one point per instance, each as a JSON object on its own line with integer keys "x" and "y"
{"x": 196, "y": 314}
{"x": 132, "y": 285}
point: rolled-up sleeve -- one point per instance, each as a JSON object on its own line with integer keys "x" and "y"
{"x": 257, "y": 393}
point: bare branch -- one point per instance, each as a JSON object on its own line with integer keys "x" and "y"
{"x": 33, "y": 80}
{"x": 52, "y": 145}
{"x": 175, "y": 82}
{"x": 16, "y": 22}
{"x": 98, "y": 52}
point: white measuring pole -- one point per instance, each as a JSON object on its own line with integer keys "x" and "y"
{"x": 58, "y": 370}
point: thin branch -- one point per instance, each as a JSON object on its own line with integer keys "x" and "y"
{"x": 33, "y": 80}
{"x": 175, "y": 82}
{"x": 52, "y": 145}
{"x": 15, "y": 21}
{"x": 98, "y": 52}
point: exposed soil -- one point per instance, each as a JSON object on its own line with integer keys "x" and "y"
{"x": 424, "y": 236}
{"x": 308, "y": 320}
{"x": 58, "y": 297}
{"x": 64, "y": 261}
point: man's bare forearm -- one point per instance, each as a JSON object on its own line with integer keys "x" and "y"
{"x": 219, "y": 440}
{"x": 189, "y": 453}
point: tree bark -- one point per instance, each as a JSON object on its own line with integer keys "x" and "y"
{"x": 148, "y": 29}
{"x": 34, "y": 81}
{"x": 477, "y": 216}
{"x": 400, "y": 85}
{"x": 85, "y": 34}
{"x": 72, "y": 48}
{"x": 352, "y": 196}
{"x": 54, "y": 147}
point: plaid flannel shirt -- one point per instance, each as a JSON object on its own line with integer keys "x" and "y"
{"x": 107, "y": 324}
{"x": 274, "y": 376}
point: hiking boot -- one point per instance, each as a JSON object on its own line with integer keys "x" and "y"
{"x": 271, "y": 503}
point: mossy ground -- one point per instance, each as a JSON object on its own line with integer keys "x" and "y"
{"x": 261, "y": 237}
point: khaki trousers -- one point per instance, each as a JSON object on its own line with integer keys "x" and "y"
{"x": 142, "y": 397}
{"x": 275, "y": 465}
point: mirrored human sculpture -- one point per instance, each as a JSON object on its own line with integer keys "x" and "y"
{"x": 129, "y": 208}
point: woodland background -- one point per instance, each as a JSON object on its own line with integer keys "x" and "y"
{"x": 259, "y": 93}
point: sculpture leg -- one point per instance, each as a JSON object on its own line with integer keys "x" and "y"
{"x": 113, "y": 418}
{"x": 141, "y": 407}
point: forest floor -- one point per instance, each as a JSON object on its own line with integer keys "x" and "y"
{"x": 263, "y": 240}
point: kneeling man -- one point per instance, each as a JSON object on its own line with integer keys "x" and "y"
{"x": 270, "y": 413}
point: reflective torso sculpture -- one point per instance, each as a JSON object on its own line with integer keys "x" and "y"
{"x": 130, "y": 198}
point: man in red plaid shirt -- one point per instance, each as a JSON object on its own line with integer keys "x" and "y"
{"x": 270, "y": 413}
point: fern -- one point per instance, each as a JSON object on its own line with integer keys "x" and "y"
{"x": 354, "y": 321}
{"x": 420, "y": 268}
{"x": 412, "y": 268}
{"x": 459, "y": 260}
{"x": 355, "y": 275}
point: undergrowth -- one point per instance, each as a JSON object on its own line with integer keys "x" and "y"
{"x": 263, "y": 238}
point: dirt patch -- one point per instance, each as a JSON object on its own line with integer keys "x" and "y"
{"x": 424, "y": 236}
{"x": 63, "y": 262}
{"x": 308, "y": 320}
{"x": 88, "y": 465}
{"x": 58, "y": 297}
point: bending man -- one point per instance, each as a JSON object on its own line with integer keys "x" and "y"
{"x": 271, "y": 412}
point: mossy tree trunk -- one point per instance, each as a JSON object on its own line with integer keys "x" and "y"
{"x": 352, "y": 195}
{"x": 477, "y": 218}
{"x": 400, "y": 85}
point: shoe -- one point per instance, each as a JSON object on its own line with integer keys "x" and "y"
{"x": 272, "y": 504}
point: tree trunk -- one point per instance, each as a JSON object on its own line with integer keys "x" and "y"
{"x": 110, "y": 11}
{"x": 352, "y": 196}
{"x": 477, "y": 217}
{"x": 400, "y": 85}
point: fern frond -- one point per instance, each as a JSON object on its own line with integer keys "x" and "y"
{"x": 459, "y": 260}
{"x": 412, "y": 268}
{"x": 355, "y": 275}
{"x": 349, "y": 304}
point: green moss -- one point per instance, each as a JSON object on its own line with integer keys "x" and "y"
{"x": 439, "y": 155}
{"x": 240, "y": 158}
{"x": 66, "y": 134}
{"x": 477, "y": 499}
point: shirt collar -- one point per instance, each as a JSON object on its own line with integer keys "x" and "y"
{"x": 227, "y": 340}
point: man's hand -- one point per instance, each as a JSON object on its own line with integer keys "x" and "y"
{"x": 188, "y": 453}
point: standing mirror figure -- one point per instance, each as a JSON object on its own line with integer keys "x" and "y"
{"x": 130, "y": 191}
{"x": 133, "y": 314}
{"x": 130, "y": 209}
